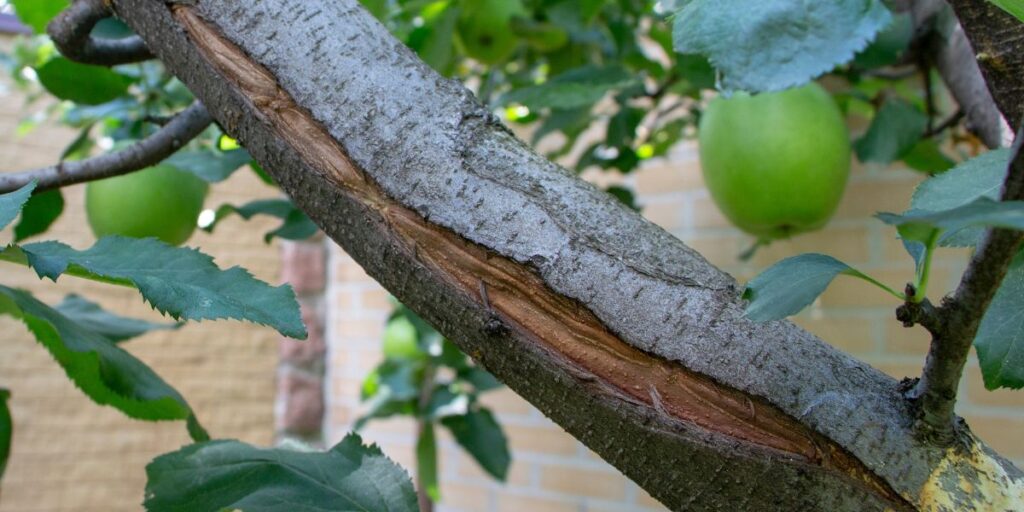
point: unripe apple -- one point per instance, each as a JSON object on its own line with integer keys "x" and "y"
{"x": 161, "y": 202}
{"x": 775, "y": 163}
{"x": 400, "y": 340}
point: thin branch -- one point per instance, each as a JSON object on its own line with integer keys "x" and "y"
{"x": 950, "y": 51}
{"x": 956, "y": 322}
{"x": 149, "y": 151}
{"x": 950, "y": 122}
{"x": 71, "y": 31}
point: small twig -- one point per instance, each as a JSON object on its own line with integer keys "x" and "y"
{"x": 955, "y": 324}
{"x": 149, "y": 151}
{"x": 950, "y": 122}
{"x": 892, "y": 74}
{"x": 71, "y": 32}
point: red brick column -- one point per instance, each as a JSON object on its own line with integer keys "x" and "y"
{"x": 299, "y": 410}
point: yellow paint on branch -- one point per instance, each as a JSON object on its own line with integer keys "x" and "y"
{"x": 971, "y": 479}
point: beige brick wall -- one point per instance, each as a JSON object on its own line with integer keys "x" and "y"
{"x": 553, "y": 472}
{"x": 72, "y": 455}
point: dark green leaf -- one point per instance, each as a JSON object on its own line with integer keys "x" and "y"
{"x": 295, "y": 226}
{"x": 426, "y": 462}
{"x": 580, "y": 87}
{"x": 1000, "y": 339}
{"x": 11, "y": 203}
{"x": 6, "y": 430}
{"x": 926, "y": 156}
{"x": 790, "y": 285}
{"x": 624, "y": 195}
{"x": 101, "y": 369}
{"x": 978, "y": 177}
{"x": 433, "y": 41}
{"x": 39, "y": 213}
{"x": 80, "y": 147}
{"x": 478, "y": 433}
{"x": 113, "y": 327}
{"x": 772, "y": 45}
{"x": 391, "y": 389}
{"x": 894, "y": 131}
{"x": 980, "y": 212}
{"x": 219, "y": 475}
{"x": 212, "y": 166}
{"x": 889, "y": 45}
{"x": 180, "y": 282}
{"x": 446, "y": 402}
{"x": 37, "y": 13}
{"x": 82, "y": 83}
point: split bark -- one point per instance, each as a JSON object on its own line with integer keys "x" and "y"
{"x": 616, "y": 330}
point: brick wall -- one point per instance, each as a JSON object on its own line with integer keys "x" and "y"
{"x": 72, "y": 455}
{"x": 552, "y": 472}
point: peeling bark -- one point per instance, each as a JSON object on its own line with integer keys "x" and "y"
{"x": 616, "y": 330}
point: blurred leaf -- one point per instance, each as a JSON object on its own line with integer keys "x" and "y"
{"x": 980, "y": 212}
{"x": 481, "y": 379}
{"x": 113, "y": 327}
{"x": 39, "y": 213}
{"x": 11, "y": 203}
{"x": 101, "y": 369}
{"x": 479, "y": 434}
{"x": 580, "y": 87}
{"x": 433, "y": 41}
{"x": 624, "y": 195}
{"x": 926, "y": 156}
{"x": 82, "y": 83}
{"x": 978, "y": 177}
{"x": 545, "y": 37}
{"x": 772, "y": 45}
{"x": 80, "y": 147}
{"x": 1000, "y": 338}
{"x": 6, "y": 429}
{"x": 792, "y": 284}
{"x": 444, "y": 402}
{"x": 37, "y": 13}
{"x": 180, "y": 282}
{"x": 894, "y": 131}
{"x": 426, "y": 462}
{"x": 212, "y": 166}
{"x": 889, "y": 45}
{"x": 261, "y": 173}
{"x": 295, "y": 226}
{"x": 1014, "y": 7}
{"x": 229, "y": 475}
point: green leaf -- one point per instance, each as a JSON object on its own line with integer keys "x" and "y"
{"x": 444, "y": 402}
{"x": 772, "y": 45}
{"x": 177, "y": 281}
{"x": 6, "y": 430}
{"x": 479, "y": 434}
{"x": 113, "y": 327}
{"x": 980, "y": 212}
{"x": 426, "y": 462}
{"x": 1014, "y": 7}
{"x": 295, "y": 226}
{"x": 39, "y": 213}
{"x": 577, "y": 88}
{"x": 37, "y": 13}
{"x": 926, "y": 156}
{"x": 102, "y": 370}
{"x": 894, "y": 131}
{"x": 978, "y": 177}
{"x": 433, "y": 41}
{"x": 790, "y": 285}
{"x": 1000, "y": 338}
{"x": 889, "y": 45}
{"x": 82, "y": 83}
{"x": 393, "y": 388}
{"x": 211, "y": 166}
{"x": 11, "y": 203}
{"x": 219, "y": 475}
{"x": 482, "y": 380}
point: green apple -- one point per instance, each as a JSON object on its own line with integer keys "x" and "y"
{"x": 400, "y": 340}
{"x": 485, "y": 27}
{"x": 776, "y": 163}
{"x": 161, "y": 202}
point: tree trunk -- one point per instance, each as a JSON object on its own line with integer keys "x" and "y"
{"x": 627, "y": 338}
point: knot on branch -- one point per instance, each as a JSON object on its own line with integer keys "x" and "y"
{"x": 71, "y": 31}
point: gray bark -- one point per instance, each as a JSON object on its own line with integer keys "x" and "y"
{"x": 616, "y": 330}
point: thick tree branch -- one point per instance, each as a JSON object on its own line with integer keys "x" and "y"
{"x": 612, "y": 327}
{"x": 955, "y": 324}
{"x": 950, "y": 52}
{"x": 149, "y": 151}
{"x": 998, "y": 42}
{"x": 71, "y": 31}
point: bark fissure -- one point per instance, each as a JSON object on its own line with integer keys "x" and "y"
{"x": 432, "y": 149}
{"x": 522, "y": 300}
